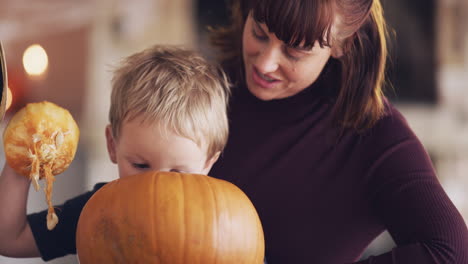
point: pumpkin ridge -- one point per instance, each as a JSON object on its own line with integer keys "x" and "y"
{"x": 215, "y": 219}
{"x": 184, "y": 198}
{"x": 152, "y": 199}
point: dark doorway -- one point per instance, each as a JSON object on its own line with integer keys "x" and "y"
{"x": 209, "y": 13}
{"x": 413, "y": 62}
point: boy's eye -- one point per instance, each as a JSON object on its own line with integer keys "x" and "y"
{"x": 140, "y": 165}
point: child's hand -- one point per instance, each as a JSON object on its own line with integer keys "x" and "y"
{"x": 9, "y": 172}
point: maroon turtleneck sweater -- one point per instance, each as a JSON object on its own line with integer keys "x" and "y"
{"x": 323, "y": 201}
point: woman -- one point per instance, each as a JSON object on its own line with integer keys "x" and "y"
{"x": 328, "y": 162}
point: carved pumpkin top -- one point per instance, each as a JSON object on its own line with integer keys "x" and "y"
{"x": 40, "y": 141}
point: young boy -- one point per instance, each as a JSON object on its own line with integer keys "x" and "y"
{"x": 168, "y": 113}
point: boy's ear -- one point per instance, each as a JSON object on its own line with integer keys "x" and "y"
{"x": 209, "y": 163}
{"x": 110, "y": 144}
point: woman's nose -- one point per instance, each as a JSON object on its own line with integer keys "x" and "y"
{"x": 268, "y": 60}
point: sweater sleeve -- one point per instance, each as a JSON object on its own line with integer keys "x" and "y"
{"x": 61, "y": 240}
{"x": 408, "y": 198}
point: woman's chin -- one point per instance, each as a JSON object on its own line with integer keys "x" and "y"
{"x": 262, "y": 93}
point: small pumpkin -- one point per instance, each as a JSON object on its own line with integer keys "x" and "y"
{"x": 169, "y": 218}
{"x": 40, "y": 142}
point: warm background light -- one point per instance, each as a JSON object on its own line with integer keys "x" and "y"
{"x": 9, "y": 99}
{"x": 35, "y": 60}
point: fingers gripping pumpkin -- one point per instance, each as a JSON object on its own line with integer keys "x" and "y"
{"x": 40, "y": 141}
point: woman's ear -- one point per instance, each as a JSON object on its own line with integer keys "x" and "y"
{"x": 339, "y": 35}
{"x": 209, "y": 163}
{"x": 110, "y": 144}
{"x": 336, "y": 51}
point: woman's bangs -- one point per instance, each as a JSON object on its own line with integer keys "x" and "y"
{"x": 296, "y": 22}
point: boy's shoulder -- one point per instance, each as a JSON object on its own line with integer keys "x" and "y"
{"x": 98, "y": 186}
{"x": 61, "y": 240}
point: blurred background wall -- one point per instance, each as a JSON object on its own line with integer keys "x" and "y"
{"x": 85, "y": 39}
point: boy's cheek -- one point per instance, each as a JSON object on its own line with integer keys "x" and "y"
{"x": 125, "y": 170}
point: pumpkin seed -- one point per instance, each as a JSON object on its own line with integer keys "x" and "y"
{"x": 59, "y": 139}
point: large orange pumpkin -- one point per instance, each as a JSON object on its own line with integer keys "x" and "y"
{"x": 169, "y": 218}
{"x": 40, "y": 142}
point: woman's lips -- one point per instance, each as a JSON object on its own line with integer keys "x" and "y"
{"x": 264, "y": 81}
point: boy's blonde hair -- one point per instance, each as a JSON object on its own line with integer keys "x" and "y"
{"x": 175, "y": 87}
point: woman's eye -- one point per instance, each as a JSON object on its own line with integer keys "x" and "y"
{"x": 259, "y": 36}
{"x": 140, "y": 165}
{"x": 175, "y": 170}
{"x": 292, "y": 54}
{"x": 295, "y": 53}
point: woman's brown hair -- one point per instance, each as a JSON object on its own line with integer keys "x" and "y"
{"x": 355, "y": 29}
